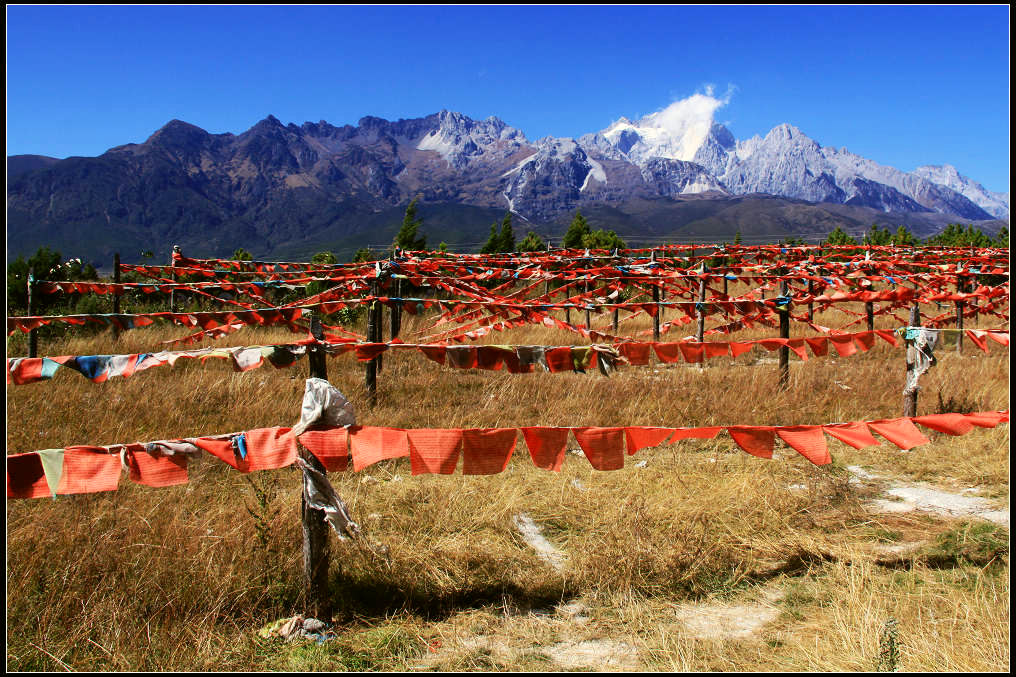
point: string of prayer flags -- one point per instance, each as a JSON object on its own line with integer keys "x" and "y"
{"x": 484, "y": 451}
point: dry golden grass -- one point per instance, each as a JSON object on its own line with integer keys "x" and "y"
{"x": 182, "y": 578}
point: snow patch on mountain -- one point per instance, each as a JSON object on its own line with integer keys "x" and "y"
{"x": 595, "y": 172}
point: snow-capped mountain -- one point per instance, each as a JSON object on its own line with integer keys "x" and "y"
{"x": 787, "y": 162}
{"x": 996, "y": 204}
{"x": 278, "y": 183}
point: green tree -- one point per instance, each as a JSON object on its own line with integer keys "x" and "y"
{"x": 241, "y": 254}
{"x": 737, "y": 237}
{"x": 877, "y": 236}
{"x": 532, "y": 243}
{"x": 45, "y": 264}
{"x": 506, "y": 238}
{"x": 839, "y": 237}
{"x": 493, "y": 241}
{"x": 1002, "y": 238}
{"x": 363, "y": 254}
{"x": 904, "y": 238}
{"x": 603, "y": 239}
{"x": 324, "y": 258}
{"x": 409, "y": 237}
{"x": 578, "y": 229}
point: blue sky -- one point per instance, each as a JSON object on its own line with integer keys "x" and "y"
{"x": 904, "y": 86}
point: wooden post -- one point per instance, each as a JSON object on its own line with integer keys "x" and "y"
{"x": 656, "y": 318}
{"x": 586, "y": 288}
{"x": 811, "y": 306}
{"x": 396, "y": 311}
{"x": 546, "y": 290}
{"x": 700, "y": 317}
{"x": 33, "y": 337}
{"x": 317, "y": 601}
{"x": 959, "y": 316}
{"x": 784, "y": 351}
{"x": 910, "y": 394}
{"x": 172, "y": 294}
{"x": 116, "y": 295}
{"x": 373, "y": 336}
{"x": 869, "y": 311}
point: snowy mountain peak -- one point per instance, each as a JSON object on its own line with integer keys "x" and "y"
{"x": 996, "y": 204}
{"x": 675, "y": 133}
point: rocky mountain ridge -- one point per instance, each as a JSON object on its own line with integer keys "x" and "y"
{"x": 281, "y": 183}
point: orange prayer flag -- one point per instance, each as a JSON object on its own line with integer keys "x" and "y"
{"x": 270, "y": 448}
{"x": 26, "y": 477}
{"x": 368, "y": 445}
{"x": 808, "y": 440}
{"x": 638, "y": 438}
{"x": 900, "y": 431}
{"x": 486, "y": 451}
{"x": 756, "y": 440}
{"x": 604, "y": 447}
{"x": 434, "y": 450}
{"x": 546, "y": 446}
{"x": 88, "y": 470}
{"x": 328, "y": 445}
{"x": 162, "y": 470}
{"x": 951, "y": 424}
{"x": 855, "y": 434}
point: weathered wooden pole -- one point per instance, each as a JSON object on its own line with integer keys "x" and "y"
{"x": 373, "y": 336}
{"x": 172, "y": 293}
{"x": 811, "y": 305}
{"x": 396, "y": 311}
{"x": 959, "y": 316}
{"x": 586, "y": 290}
{"x": 700, "y": 316}
{"x": 869, "y": 311}
{"x": 116, "y": 293}
{"x": 910, "y": 388}
{"x": 33, "y": 337}
{"x": 317, "y": 601}
{"x": 784, "y": 351}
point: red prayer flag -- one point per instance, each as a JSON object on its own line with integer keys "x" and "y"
{"x": 988, "y": 419}
{"x": 692, "y": 352}
{"x": 368, "y": 445}
{"x": 636, "y": 353}
{"x": 667, "y": 352}
{"x": 819, "y": 345}
{"x": 808, "y": 440}
{"x": 978, "y": 339}
{"x": 951, "y": 424}
{"x": 900, "y": 431}
{"x": 26, "y": 477}
{"x": 604, "y": 447}
{"x": 270, "y": 448}
{"x": 855, "y": 434}
{"x": 162, "y": 470}
{"x": 560, "y": 359}
{"x": 434, "y": 450}
{"x": 328, "y": 445}
{"x": 716, "y": 349}
{"x": 546, "y": 446}
{"x": 756, "y": 440}
{"x": 843, "y": 344}
{"x": 865, "y": 340}
{"x": 638, "y": 438}
{"x": 486, "y": 451}
{"x": 88, "y": 470}
{"x": 739, "y": 347}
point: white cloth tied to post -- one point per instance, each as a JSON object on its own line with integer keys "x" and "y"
{"x": 324, "y": 404}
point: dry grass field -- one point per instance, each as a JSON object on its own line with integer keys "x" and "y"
{"x": 700, "y": 558}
